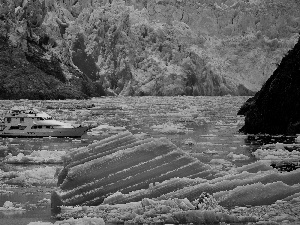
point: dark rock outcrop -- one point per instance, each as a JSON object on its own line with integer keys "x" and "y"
{"x": 275, "y": 109}
{"x": 29, "y": 75}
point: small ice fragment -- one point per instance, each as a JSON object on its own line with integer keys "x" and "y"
{"x": 279, "y": 146}
{"x": 237, "y": 157}
{"x": 211, "y": 152}
{"x": 189, "y": 141}
{"x": 8, "y": 205}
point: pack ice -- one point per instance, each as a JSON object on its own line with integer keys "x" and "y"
{"x": 123, "y": 169}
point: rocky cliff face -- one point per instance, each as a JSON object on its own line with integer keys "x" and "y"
{"x": 198, "y": 47}
{"x": 275, "y": 108}
{"x": 184, "y": 47}
{"x": 35, "y": 64}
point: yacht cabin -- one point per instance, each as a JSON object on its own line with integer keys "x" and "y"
{"x": 20, "y": 121}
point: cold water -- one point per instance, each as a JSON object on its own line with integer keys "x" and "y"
{"x": 205, "y": 127}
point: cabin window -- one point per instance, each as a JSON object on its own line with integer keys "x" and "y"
{"x": 2, "y": 127}
{"x": 22, "y": 127}
{"x": 33, "y": 127}
{"x": 14, "y": 128}
{"x": 40, "y": 127}
{"x": 48, "y": 127}
{"x": 21, "y": 120}
{"x": 8, "y": 120}
{"x": 17, "y": 127}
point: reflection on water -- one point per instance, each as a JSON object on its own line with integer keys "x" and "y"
{"x": 205, "y": 127}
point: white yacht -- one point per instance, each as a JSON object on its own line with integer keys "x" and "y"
{"x": 23, "y": 122}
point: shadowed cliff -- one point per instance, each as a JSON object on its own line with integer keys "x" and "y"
{"x": 275, "y": 108}
{"x": 33, "y": 64}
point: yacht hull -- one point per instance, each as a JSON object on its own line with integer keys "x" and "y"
{"x": 61, "y": 132}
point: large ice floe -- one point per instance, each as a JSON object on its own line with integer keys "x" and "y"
{"x": 36, "y": 176}
{"x": 282, "y": 156}
{"x": 10, "y": 208}
{"x": 123, "y": 179}
{"x": 171, "y": 211}
{"x": 72, "y": 221}
{"x": 123, "y": 163}
{"x": 278, "y": 152}
{"x": 36, "y": 157}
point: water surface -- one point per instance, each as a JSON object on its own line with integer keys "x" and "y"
{"x": 205, "y": 127}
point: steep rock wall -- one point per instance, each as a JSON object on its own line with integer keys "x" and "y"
{"x": 184, "y": 47}
{"x": 35, "y": 60}
{"x": 138, "y": 47}
{"x": 275, "y": 108}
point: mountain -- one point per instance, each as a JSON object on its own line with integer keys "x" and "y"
{"x": 33, "y": 64}
{"x": 275, "y": 108}
{"x": 163, "y": 47}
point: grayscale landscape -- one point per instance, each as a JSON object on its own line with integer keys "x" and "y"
{"x": 149, "y": 112}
